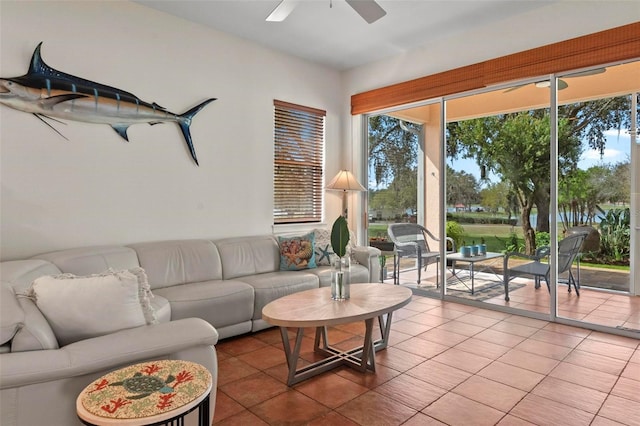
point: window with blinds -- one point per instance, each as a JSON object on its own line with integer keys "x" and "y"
{"x": 298, "y": 163}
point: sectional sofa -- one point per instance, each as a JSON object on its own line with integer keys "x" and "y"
{"x": 203, "y": 290}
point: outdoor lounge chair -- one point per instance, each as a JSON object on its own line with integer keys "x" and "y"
{"x": 568, "y": 250}
{"x": 410, "y": 241}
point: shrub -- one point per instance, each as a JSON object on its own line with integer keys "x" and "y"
{"x": 455, "y": 231}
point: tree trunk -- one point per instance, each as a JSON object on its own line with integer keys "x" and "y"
{"x": 527, "y": 230}
{"x": 542, "y": 200}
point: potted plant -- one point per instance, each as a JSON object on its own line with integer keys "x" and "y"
{"x": 340, "y": 266}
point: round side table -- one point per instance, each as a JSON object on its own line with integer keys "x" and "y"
{"x": 150, "y": 393}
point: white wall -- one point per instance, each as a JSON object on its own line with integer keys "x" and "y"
{"x": 97, "y": 189}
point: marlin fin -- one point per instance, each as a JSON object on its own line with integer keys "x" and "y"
{"x": 184, "y": 120}
{"x": 39, "y": 117}
{"x": 121, "y": 130}
{"x": 55, "y": 100}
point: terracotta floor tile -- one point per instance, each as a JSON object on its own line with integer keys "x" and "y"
{"x": 233, "y": 369}
{"x": 465, "y": 361}
{"x": 264, "y": 358}
{"x": 515, "y": 328}
{"x": 500, "y": 338}
{"x": 510, "y": 375}
{"x": 225, "y": 407}
{"x": 479, "y": 320}
{"x": 482, "y": 348}
{"x": 443, "y": 337}
{"x": 487, "y": 392}
{"x": 459, "y": 307}
{"x": 463, "y": 328}
{"x": 398, "y": 359}
{"x": 240, "y": 345}
{"x": 288, "y": 408}
{"x": 416, "y": 306}
{"x": 603, "y": 421}
{"x": 531, "y": 322}
{"x": 528, "y": 361}
{"x": 373, "y": 408}
{"x": 439, "y": 374}
{"x": 455, "y": 409}
{"x": 568, "y": 393}
{"x": 544, "y": 349}
{"x": 421, "y": 347}
{"x": 542, "y": 411}
{"x": 632, "y": 371}
{"x": 446, "y": 312}
{"x": 491, "y": 314}
{"x": 401, "y": 314}
{"x": 627, "y": 388}
{"x": 428, "y": 319}
{"x": 254, "y": 389}
{"x": 583, "y": 376}
{"x": 352, "y": 327}
{"x": 510, "y": 420}
{"x": 330, "y": 419}
{"x": 635, "y": 358}
{"x": 410, "y": 391}
{"x": 621, "y": 410}
{"x": 369, "y": 380}
{"x": 615, "y": 340}
{"x": 596, "y": 362}
{"x": 244, "y": 418}
{"x": 270, "y": 336}
{"x": 606, "y": 349}
{"x": 421, "y": 419}
{"x": 330, "y": 389}
{"x": 556, "y": 338}
{"x": 409, "y": 327}
{"x": 335, "y": 335}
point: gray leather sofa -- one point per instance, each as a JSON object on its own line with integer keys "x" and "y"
{"x": 203, "y": 290}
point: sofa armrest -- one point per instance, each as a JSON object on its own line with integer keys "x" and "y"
{"x": 369, "y": 257}
{"x": 105, "y": 352}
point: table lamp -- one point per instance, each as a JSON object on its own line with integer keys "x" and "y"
{"x": 345, "y": 181}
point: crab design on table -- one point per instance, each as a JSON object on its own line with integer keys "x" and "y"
{"x": 142, "y": 386}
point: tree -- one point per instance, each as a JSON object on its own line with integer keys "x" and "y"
{"x": 462, "y": 188}
{"x": 516, "y": 147}
{"x": 496, "y": 196}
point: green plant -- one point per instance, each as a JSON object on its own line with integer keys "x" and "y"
{"x": 615, "y": 233}
{"x": 340, "y": 236}
{"x": 455, "y": 231}
{"x": 542, "y": 239}
{"x": 512, "y": 243}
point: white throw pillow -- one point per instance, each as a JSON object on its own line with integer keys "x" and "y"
{"x": 323, "y": 249}
{"x": 79, "y": 308}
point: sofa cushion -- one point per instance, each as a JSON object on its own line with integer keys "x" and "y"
{"x": 357, "y": 273}
{"x": 221, "y": 303}
{"x": 297, "y": 253}
{"x": 322, "y": 248}
{"x": 170, "y": 263}
{"x": 19, "y": 274}
{"x": 36, "y": 333}
{"x": 92, "y": 260}
{"x": 81, "y": 307}
{"x": 11, "y": 314}
{"x": 273, "y": 285}
{"x": 248, "y": 255}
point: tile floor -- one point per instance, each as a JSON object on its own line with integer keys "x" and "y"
{"x": 447, "y": 363}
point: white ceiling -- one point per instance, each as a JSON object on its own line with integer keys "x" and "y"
{"x": 331, "y": 33}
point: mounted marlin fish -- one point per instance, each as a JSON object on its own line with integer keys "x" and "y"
{"x": 46, "y": 92}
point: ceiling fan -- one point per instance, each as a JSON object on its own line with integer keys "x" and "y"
{"x": 368, "y": 9}
{"x": 561, "y": 83}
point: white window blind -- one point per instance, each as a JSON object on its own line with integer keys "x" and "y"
{"x": 298, "y": 163}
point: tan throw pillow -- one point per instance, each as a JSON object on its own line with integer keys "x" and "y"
{"x": 79, "y": 308}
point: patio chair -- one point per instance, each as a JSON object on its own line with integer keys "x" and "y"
{"x": 568, "y": 250}
{"x": 410, "y": 241}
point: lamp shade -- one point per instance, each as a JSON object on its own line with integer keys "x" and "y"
{"x": 345, "y": 181}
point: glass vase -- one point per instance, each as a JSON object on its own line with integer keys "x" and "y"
{"x": 340, "y": 278}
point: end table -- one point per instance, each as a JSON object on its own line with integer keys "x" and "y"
{"x": 149, "y": 393}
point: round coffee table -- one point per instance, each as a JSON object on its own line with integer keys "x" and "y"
{"x": 315, "y": 308}
{"x": 150, "y": 393}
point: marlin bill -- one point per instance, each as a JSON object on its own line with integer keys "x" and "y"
{"x": 46, "y": 92}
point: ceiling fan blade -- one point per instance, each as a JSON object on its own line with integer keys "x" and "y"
{"x": 282, "y": 10}
{"x": 368, "y": 9}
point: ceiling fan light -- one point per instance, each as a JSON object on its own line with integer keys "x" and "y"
{"x": 543, "y": 84}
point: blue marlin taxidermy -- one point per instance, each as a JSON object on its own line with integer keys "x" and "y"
{"x": 46, "y": 92}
